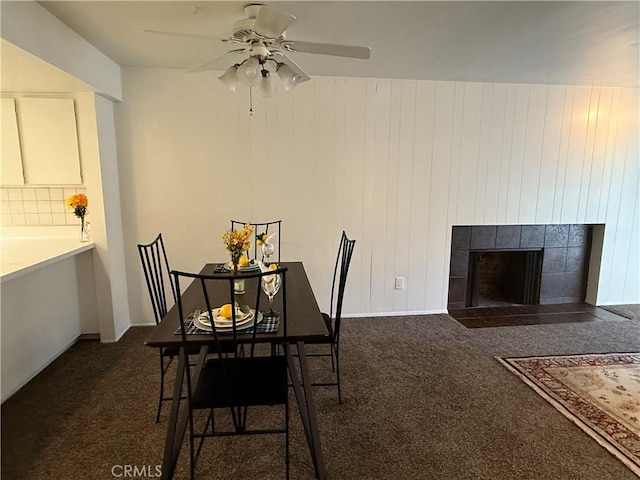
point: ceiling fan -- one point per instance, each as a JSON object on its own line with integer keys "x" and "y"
{"x": 261, "y": 37}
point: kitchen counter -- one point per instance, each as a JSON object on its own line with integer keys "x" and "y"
{"x": 21, "y": 255}
{"x": 48, "y": 301}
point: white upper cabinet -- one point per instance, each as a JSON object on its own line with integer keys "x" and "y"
{"x": 11, "y": 161}
{"x": 49, "y": 140}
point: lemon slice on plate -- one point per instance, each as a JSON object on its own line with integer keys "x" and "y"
{"x": 225, "y": 310}
{"x": 224, "y": 317}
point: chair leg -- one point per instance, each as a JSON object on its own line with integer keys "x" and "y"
{"x": 192, "y": 459}
{"x": 333, "y": 366}
{"x": 338, "y": 376}
{"x": 161, "y": 396}
{"x": 213, "y": 422}
{"x": 206, "y": 427}
{"x": 286, "y": 454}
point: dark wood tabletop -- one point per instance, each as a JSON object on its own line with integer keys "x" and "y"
{"x": 304, "y": 320}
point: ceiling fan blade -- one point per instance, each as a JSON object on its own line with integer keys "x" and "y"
{"x": 188, "y": 35}
{"x": 214, "y": 64}
{"x": 327, "y": 49}
{"x": 272, "y": 23}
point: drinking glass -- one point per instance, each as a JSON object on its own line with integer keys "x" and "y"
{"x": 267, "y": 251}
{"x": 270, "y": 286}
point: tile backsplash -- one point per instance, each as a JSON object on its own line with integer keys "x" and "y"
{"x": 37, "y": 206}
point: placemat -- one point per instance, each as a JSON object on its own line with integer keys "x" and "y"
{"x": 267, "y": 325}
{"x": 222, "y": 268}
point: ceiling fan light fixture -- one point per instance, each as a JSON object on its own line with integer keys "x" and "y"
{"x": 268, "y": 85}
{"x": 288, "y": 76}
{"x": 249, "y": 72}
{"x": 230, "y": 78}
{"x": 260, "y": 51}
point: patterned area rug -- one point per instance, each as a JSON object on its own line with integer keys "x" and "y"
{"x": 599, "y": 393}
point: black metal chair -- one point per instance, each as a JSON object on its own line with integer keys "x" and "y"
{"x": 265, "y": 227}
{"x": 333, "y": 318}
{"x": 239, "y": 381}
{"x": 155, "y": 266}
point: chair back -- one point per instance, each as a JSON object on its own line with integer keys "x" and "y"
{"x": 155, "y": 266}
{"x": 255, "y": 253}
{"x": 235, "y": 342}
{"x": 340, "y": 272}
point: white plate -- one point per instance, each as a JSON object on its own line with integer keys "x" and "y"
{"x": 248, "y": 267}
{"x": 248, "y": 322}
{"x": 241, "y": 318}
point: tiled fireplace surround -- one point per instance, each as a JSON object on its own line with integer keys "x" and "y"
{"x": 566, "y": 251}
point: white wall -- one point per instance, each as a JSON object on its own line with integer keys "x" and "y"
{"x": 395, "y": 163}
{"x": 32, "y": 28}
{"x": 100, "y": 174}
{"x": 42, "y": 315}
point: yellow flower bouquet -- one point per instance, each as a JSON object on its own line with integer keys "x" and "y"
{"x": 79, "y": 203}
{"x": 237, "y": 242}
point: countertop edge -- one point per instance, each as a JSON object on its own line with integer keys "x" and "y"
{"x": 48, "y": 261}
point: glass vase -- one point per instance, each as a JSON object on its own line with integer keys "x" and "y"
{"x": 235, "y": 259}
{"x": 84, "y": 230}
{"x": 238, "y": 285}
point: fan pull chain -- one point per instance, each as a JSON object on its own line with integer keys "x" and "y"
{"x": 251, "y": 101}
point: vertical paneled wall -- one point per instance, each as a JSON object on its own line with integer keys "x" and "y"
{"x": 395, "y": 163}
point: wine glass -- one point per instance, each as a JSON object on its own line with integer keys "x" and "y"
{"x": 267, "y": 251}
{"x": 270, "y": 286}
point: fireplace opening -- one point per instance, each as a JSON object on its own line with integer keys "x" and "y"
{"x": 504, "y": 277}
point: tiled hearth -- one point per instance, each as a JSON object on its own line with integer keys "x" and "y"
{"x": 565, "y": 258}
{"x": 533, "y": 315}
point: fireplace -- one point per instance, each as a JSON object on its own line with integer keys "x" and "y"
{"x": 494, "y": 265}
{"x": 504, "y": 277}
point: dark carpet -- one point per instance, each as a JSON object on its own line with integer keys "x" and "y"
{"x": 423, "y": 399}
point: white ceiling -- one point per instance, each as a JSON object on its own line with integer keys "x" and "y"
{"x": 531, "y": 42}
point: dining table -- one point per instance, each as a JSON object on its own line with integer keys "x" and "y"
{"x": 305, "y": 323}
